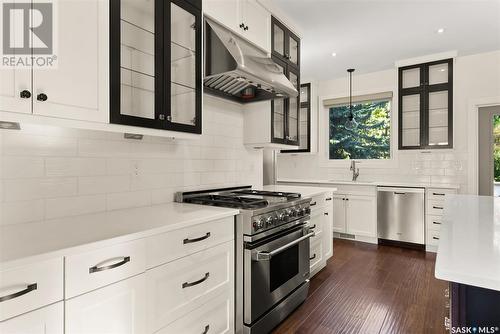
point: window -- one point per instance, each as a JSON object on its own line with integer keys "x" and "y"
{"x": 371, "y": 139}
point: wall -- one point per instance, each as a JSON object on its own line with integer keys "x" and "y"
{"x": 49, "y": 172}
{"x": 476, "y": 76}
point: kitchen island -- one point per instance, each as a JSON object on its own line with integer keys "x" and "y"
{"x": 469, "y": 258}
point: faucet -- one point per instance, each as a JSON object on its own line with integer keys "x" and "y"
{"x": 355, "y": 171}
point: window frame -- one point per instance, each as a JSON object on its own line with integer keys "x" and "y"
{"x": 324, "y": 135}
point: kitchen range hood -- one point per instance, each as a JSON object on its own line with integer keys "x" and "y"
{"x": 239, "y": 71}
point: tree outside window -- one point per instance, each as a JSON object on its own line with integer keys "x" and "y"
{"x": 370, "y": 140}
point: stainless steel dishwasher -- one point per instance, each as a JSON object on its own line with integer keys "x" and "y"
{"x": 400, "y": 215}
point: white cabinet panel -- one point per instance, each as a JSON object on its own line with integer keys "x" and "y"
{"x": 362, "y": 216}
{"x": 328, "y": 233}
{"x": 224, "y": 11}
{"x": 339, "y": 214}
{"x": 77, "y": 88}
{"x": 119, "y": 308}
{"x": 47, "y": 320}
{"x": 258, "y": 21}
{"x": 178, "y": 287}
{"x": 316, "y": 261}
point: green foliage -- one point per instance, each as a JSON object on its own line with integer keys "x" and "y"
{"x": 370, "y": 140}
{"x": 496, "y": 148}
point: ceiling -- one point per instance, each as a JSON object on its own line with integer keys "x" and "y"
{"x": 371, "y": 35}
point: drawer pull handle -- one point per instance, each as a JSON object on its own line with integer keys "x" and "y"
{"x": 399, "y": 193}
{"x": 29, "y": 288}
{"x": 437, "y": 207}
{"x": 436, "y": 223}
{"x": 207, "y": 327}
{"x": 312, "y": 227}
{"x": 435, "y": 238}
{"x": 328, "y": 199}
{"x": 96, "y": 269}
{"x": 326, "y": 213}
{"x": 313, "y": 203}
{"x": 189, "y": 241}
{"x": 312, "y": 257}
{"x": 190, "y": 284}
{"x": 438, "y": 194}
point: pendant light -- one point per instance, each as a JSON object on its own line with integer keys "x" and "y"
{"x": 351, "y": 121}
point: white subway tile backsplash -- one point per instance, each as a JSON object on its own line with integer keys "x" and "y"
{"x": 103, "y": 148}
{"x": 103, "y": 184}
{"x": 22, "y": 144}
{"x": 128, "y": 200}
{"x": 75, "y": 166}
{"x": 38, "y": 188}
{"x": 22, "y": 212}
{"x": 74, "y": 206}
{"x": 22, "y": 167}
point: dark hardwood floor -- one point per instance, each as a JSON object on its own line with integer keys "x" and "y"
{"x": 372, "y": 289}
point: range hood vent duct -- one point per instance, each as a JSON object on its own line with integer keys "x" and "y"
{"x": 239, "y": 71}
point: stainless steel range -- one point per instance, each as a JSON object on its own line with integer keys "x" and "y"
{"x": 272, "y": 252}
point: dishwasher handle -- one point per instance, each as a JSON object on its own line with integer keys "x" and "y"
{"x": 401, "y": 190}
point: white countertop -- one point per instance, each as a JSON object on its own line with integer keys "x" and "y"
{"x": 304, "y": 191}
{"x": 372, "y": 183}
{"x": 469, "y": 245}
{"x": 28, "y": 242}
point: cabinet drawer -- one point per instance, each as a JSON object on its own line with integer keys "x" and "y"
{"x": 47, "y": 320}
{"x": 435, "y": 208}
{"x": 319, "y": 201}
{"x": 434, "y": 222}
{"x": 316, "y": 224}
{"x": 432, "y": 238}
{"x": 173, "y": 245}
{"x": 215, "y": 317}
{"x": 439, "y": 194}
{"x": 176, "y": 288}
{"x": 315, "y": 255}
{"x": 89, "y": 271}
{"x": 29, "y": 287}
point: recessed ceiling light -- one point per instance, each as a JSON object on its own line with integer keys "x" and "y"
{"x": 440, "y": 30}
{"x": 334, "y": 54}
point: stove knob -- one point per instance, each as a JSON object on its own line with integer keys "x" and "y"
{"x": 258, "y": 224}
{"x": 281, "y": 216}
{"x": 294, "y": 212}
{"x": 288, "y": 212}
{"x": 300, "y": 212}
{"x": 269, "y": 221}
{"x": 307, "y": 210}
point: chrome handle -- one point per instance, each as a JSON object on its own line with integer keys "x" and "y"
{"x": 313, "y": 203}
{"x": 189, "y": 241}
{"x": 437, "y": 207}
{"x": 207, "y": 327}
{"x": 201, "y": 280}
{"x": 266, "y": 256}
{"x": 29, "y": 288}
{"x": 312, "y": 257}
{"x": 96, "y": 269}
{"x": 328, "y": 199}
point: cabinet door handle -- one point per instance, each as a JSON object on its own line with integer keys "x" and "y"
{"x": 435, "y": 238}
{"x": 437, "y": 207}
{"x": 326, "y": 213}
{"x": 313, "y": 203}
{"x": 312, "y": 227}
{"x": 328, "y": 199}
{"x": 312, "y": 257}
{"x": 189, "y": 241}
{"x": 436, "y": 223}
{"x": 242, "y": 25}
{"x": 41, "y": 97}
{"x": 207, "y": 327}
{"x": 29, "y": 288}
{"x": 190, "y": 284}
{"x": 246, "y": 28}
{"x": 25, "y": 94}
{"x": 438, "y": 194}
{"x": 96, "y": 269}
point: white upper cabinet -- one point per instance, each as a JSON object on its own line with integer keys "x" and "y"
{"x": 77, "y": 88}
{"x": 247, "y": 18}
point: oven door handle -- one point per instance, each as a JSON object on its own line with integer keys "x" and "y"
{"x": 266, "y": 256}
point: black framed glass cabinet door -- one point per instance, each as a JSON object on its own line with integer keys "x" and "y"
{"x": 155, "y": 64}
{"x": 278, "y": 115}
{"x": 293, "y": 111}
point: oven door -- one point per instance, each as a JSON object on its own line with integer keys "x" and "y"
{"x": 274, "y": 267}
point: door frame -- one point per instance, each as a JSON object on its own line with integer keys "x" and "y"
{"x": 473, "y": 151}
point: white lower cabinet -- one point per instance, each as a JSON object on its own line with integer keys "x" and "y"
{"x": 215, "y": 317}
{"x": 119, "y": 308}
{"x": 46, "y": 320}
{"x": 339, "y": 214}
{"x": 321, "y": 220}
{"x": 178, "y": 287}
{"x": 355, "y": 215}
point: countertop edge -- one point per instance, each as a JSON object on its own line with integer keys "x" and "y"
{"x": 368, "y": 183}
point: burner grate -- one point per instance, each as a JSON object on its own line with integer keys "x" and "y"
{"x": 228, "y": 201}
{"x": 286, "y": 195}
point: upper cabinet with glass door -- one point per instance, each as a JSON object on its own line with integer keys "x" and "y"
{"x": 285, "y": 45}
{"x": 155, "y": 51}
{"x": 426, "y": 105}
